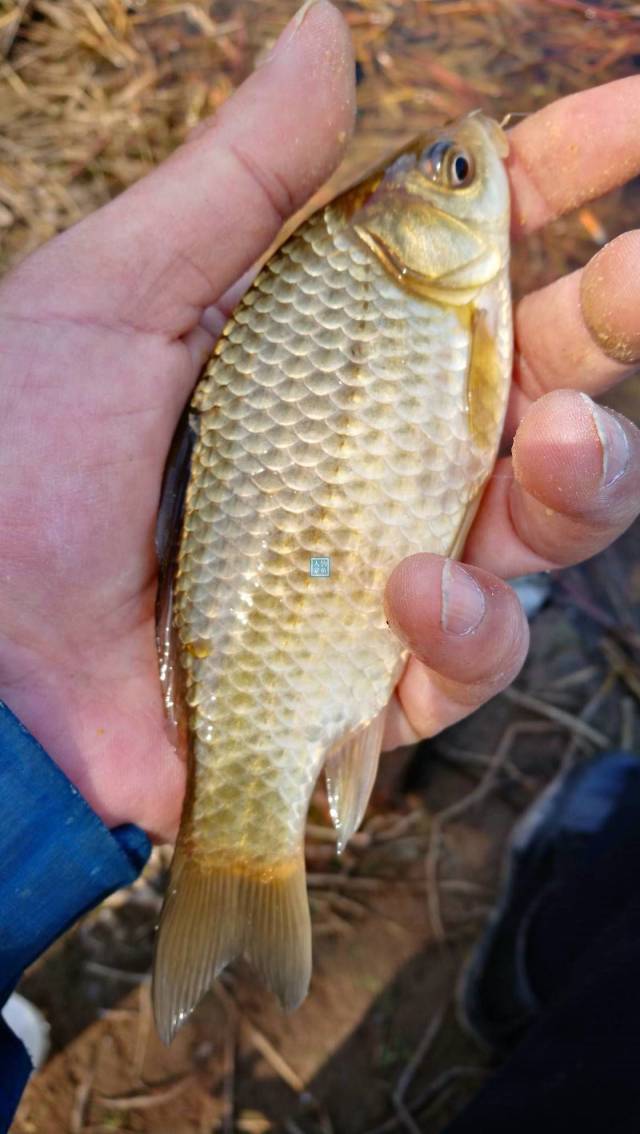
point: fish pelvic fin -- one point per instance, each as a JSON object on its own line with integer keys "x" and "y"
{"x": 215, "y": 914}
{"x": 350, "y": 772}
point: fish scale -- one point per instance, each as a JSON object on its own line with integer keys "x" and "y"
{"x": 348, "y": 479}
{"x": 334, "y": 420}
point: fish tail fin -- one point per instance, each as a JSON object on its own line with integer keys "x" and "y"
{"x": 212, "y": 916}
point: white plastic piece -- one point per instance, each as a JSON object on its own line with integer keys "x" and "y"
{"x": 29, "y": 1025}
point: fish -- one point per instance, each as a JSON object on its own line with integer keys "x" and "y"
{"x": 349, "y": 416}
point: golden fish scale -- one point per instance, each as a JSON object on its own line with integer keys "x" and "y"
{"x": 333, "y": 421}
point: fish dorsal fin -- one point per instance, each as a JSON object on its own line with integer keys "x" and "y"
{"x": 168, "y": 525}
{"x": 350, "y": 772}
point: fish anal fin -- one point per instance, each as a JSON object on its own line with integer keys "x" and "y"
{"x": 350, "y": 772}
{"x": 215, "y": 914}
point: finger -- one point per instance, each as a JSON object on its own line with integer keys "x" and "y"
{"x": 573, "y": 150}
{"x": 468, "y": 637}
{"x": 583, "y": 331}
{"x": 571, "y": 487}
{"x": 171, "y": 245}
{"x": 201, "y": 339}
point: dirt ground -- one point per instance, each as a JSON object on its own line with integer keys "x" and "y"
{"x": 378, "y": 1045}
{"x": 382, "y": 1013}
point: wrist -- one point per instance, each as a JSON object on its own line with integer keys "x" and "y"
{"x": 59, "y": 858}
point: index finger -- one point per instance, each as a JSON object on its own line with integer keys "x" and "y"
{"x": 572, "y": 151}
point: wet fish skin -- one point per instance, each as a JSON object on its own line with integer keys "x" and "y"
{"x": 351, "y": 410}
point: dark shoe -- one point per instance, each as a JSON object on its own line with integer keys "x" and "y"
{"x": 572, "y": 859}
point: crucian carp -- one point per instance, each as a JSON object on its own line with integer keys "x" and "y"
{"x": 349, "y": 416}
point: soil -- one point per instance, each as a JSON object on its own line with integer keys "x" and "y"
{"x": 380, "y": 1043}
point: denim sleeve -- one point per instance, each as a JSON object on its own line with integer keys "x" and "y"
{"x": 57, "y": 860}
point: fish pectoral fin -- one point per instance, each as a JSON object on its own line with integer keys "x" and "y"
{"x": 350, "y": 772}
{"x": 484, "y": 377}
{"x": 213, "y": 915}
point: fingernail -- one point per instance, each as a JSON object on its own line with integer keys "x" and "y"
{"x": 302, "y": 13}
{"x": 463, "y": 604}
{"x": 289, "y": 33}
{"x": 613, "y": 441}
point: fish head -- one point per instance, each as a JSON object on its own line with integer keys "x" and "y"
{"x": 437, "y": 217}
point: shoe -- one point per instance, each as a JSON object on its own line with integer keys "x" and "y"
{"x": 558, "y": 888}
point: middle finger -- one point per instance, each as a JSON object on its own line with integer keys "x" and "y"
{"x": 570, "y": 489}
{"x": 582, "y": 331}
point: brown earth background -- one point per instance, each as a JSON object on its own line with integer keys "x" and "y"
{"x": 93, "y": 93}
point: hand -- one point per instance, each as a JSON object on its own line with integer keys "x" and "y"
{"x": 104, "y": 332}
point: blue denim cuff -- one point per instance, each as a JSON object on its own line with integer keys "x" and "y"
{"x": 57, "y": 860}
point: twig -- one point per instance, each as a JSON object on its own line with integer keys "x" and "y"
{"x": 228, "y": 1083}
{"x": 275, "y": 1059}
{"x": 83, "y": 1093}
{"x": 577, "y": 677}
{"x": 328, "y": 835}
{"x": 146, "y": 1101}
{"x": 455, "y": 810}
{"x": 589, "y": 711}
{"x": 253, "y": 1122}
{"x": 230, "y": 1009}
{"x": 144, "y": 1028}
{"x": 465, "y": 886}
{"x": 116, "y": 974}
{"x": 286, "y": 1072}
{"x": 430, "y": 1034}
{"x": 623, "y": 666}
{"x": 342, "y": 882}
{"x": 347, "y": 906}
{"x": 430, "y": 1092}
{"x": 444, "y": 1080}
{"x": 333, "y": 926}
{"x": 495, "y": 765}
{"x": 81, "y": 1101}
{"x": 567, "y": 720}
{"x": 398, "y": 827}
{"x": 627, "y": 724}
{"x": 465, "y": 758}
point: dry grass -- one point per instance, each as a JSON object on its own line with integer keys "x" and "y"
{"x": 93, "y": 93}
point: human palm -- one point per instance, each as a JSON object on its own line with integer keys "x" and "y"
{"x": 104, "y": 331}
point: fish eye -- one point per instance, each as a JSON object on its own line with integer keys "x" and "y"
{"x": 448, "y": 164}
{"x": 460, "y": 168}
